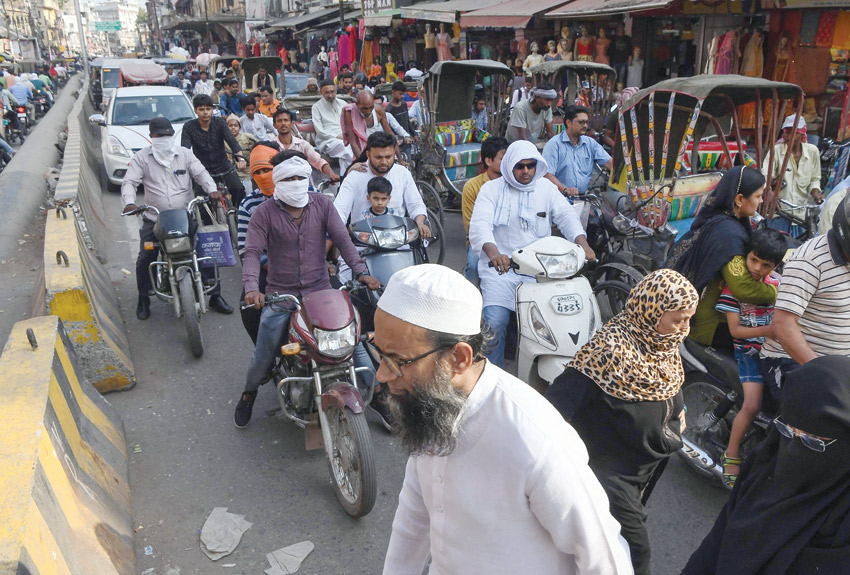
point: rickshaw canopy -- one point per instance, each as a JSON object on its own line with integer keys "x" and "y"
{"x": 452, "y": 84}
{"x": 143, "y": 72}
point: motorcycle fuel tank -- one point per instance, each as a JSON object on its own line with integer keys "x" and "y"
{"x": 327, "y": 309}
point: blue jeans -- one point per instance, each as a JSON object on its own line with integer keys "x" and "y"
{"x": 471, "y": 270}
{"x": 273, "y": 325}
{"x": 497, "y": 318}
{"x": 362, "y": 359}
{"x": 5, "y": 145}
{"x": 622, "y": 69}
{"x": 783, "y": 224}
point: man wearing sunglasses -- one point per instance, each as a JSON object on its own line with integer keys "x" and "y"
{"x": 510, "y": 213}
{"x": 573, "y": 153}
{"x": 497, "y": 481}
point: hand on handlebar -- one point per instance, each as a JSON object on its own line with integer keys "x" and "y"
{"x": 501, "y": 262}
{"x": 241, "y": 164}
{"x": 817, "y": 195}
{"x": 334, "y": 177}
{"x": 424, "y": 231}
{"x": 369, "y": 281}
{"x": 129, "y": 208}
{"x": 256, "y": 299}
{"x": 570, "y": 191}
{"x": 216, "y": 196}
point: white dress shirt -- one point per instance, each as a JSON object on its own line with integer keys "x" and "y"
{"x": 352, "y": 197}
{"x": 326, "y": 117}
{"x": 515, "y": 497}
{"x": 501, "y": 290}
{"x": 205, "y": 88}
{"x": 260, "y": 127}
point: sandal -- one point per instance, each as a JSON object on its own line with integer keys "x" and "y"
{"x": 729, "y": 479}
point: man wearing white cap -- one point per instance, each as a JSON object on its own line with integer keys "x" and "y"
{"x": 801, "y": 180}
{"x": 530, "y": 117}
{"x": 497, "y": 481}
{"x": 510, "y": 213}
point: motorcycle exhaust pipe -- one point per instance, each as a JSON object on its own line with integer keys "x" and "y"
{"x": 723, "y": 407}
{"x": 700, "y": 458}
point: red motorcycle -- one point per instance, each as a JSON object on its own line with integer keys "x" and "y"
{"x": 317, "y": 383}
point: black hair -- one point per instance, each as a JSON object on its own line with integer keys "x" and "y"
{"x": 233, "y": 81}
{"x": 281, "y": 112}
{"x": 752, "y": 180}
{"x": 491, "y": 147}
{"x": 481, "y": 343}
{"x": 478, "y": 98}
{"x": 398, "y": 86}
{"x": 570, "y": 112}
{"x": 380, "y": 140}
{"x": 768, "y": 244}
{"x": 380, "y": 185}
{"x": 249, "y": 100}
{"x": 201, "y": 100}
{"x": 286, "y": 155}
{"x": 343, "y": 76}
{"x": 264, "y": 89}
{"x": 544, "y": 86}
{"x": 325, "y": 83}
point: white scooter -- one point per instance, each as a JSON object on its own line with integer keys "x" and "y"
{"x": 558, "y": 314}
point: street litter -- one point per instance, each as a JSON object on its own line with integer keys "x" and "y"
{"x": 148, "y": 550}
{"x": 126, "y": 272}
{"x": 287, "y": 560}
{"x": 222, "y": 532}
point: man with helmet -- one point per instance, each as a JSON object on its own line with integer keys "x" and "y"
{"x": 812, "y": 313}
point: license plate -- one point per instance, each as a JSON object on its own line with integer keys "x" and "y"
{"x": 566, "y": 304}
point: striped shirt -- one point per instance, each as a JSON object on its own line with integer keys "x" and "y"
{"x": 814, "y": 287}
{"x": 749, "y": 314}
{"x": 243, "y": 216}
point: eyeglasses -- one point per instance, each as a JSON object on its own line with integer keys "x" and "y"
{"x": 395, "y": 365}
{"x": 810, "y": 441}
{"x": 528, "y": 166}
{"x": 580, "y": 122}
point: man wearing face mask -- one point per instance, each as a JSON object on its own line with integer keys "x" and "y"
{"x": 167, "y": 172}
{"x": 291, "y": 230}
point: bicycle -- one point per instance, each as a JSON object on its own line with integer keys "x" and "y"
{"x": 225, "y": 212}
{"x": 809, "y": 223}
{"x": 413, "y": 157}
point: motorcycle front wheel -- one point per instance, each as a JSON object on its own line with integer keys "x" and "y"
{"x": 352, "y": 463}
{"x": 191, "y": 315}
{"x": 701, "y": 396}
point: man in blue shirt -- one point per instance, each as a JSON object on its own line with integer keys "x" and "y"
{"x": 231, "y": 98}
{"x": 571, "y": 154}
{"x": 479, "y": 112}
{"x": 23, "y": 94}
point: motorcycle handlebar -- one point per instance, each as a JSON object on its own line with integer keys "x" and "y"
{"x": 140, "y": 210}
{"x": 273, "y": 299}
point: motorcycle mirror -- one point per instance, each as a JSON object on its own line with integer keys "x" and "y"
{"x": 97, "y": 120}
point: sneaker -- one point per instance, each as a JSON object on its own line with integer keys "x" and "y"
{"x": 242, "y": 415}
{"x": 382, "y": 411}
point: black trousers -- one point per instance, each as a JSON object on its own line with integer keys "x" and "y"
{"x": 234, "y": 188}
{"x": 143, "y": 278}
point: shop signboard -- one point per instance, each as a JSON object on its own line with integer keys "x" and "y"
{"x": 800, "y": 4}
{"x": 432, "y": 15}
{"x": 107, "y": 26}
{"x": 372, "y": 7}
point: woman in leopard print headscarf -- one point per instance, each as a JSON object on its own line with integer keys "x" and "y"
{"x": 622, "y": 394}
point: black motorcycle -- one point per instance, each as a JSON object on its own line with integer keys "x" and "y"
{"x": 176, "y": 273}
{"x": 41, "y": 103}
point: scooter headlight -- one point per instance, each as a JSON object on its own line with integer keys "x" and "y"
{"x": 390, "y": 238}
{"x": 539, "y": 327}
{"x": 338, "y": 343}
{"x": 559, "y": 266}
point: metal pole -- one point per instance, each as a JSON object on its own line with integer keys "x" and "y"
{"x": 341, "y": 18}
{"x": 207, "y": 23}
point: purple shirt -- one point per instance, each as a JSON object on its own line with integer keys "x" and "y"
{"x": 296, "y": 254}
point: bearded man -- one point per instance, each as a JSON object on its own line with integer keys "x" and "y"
{"x": 497, "y": 481}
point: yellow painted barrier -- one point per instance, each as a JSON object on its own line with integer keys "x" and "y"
{"x": 79, "y": 291}
{"x": 65, "y": 507}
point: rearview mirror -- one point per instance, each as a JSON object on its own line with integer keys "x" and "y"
{"x": 97, "y": 120}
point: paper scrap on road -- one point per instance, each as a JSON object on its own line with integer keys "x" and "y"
{"x": 287, "y": 560}
{"x": 222, "y": 532}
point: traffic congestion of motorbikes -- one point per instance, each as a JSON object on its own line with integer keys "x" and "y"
{"x": 637, "y": 200}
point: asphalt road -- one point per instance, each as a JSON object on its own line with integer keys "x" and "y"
{"x": 186, "y": 456}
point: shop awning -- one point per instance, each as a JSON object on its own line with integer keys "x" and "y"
{"x": 382, "y": 18}
{"x": 579, "y": 8}
{"x": 295, "y": 21}
{"x": 510, "y": 14}
{"x": 444, "y": 11}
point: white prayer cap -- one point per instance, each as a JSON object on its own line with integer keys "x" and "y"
{"x": 789, "y": 122}
{"x": 434, "y": 297}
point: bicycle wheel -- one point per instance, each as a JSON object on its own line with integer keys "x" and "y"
{"x": 431, "y": 198}
{"x": 232, "y": 227}
{"x": 434, "y": 251}
{"x": 611, "y": 296}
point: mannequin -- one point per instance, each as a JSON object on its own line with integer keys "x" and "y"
{"x": 390, "y": 68}
{"x": 551, "y": 52}
{"x": 444, "y": 44}
{"x": 635, "y": 75}
{"x": 602, "y": 43}
{"x": 728, "y": 54}
{"x": 333, "y": 62}
{"x": 583, "y": 49}
{"x": 532, "y": 60}
{"x": 322, "y": 56}
{"x": 782, "y": 68}
{"x": 430, "y": 46}
{"x": 565, "y": 46}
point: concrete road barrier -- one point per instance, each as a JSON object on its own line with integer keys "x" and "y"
{"x": 63, "y": 462}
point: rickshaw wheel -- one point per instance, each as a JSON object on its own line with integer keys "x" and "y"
{"x": 431, "y": 198}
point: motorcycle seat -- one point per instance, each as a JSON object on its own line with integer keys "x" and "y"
{"x": 720, "y": 363}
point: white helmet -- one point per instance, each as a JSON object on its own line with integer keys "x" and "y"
{"x": 33, "y": 76}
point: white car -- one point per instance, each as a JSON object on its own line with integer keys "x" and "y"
{"x": 124, "y": 126}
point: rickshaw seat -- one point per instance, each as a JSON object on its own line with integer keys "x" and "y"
{"x": 689, "y": 194}
{"x": 307, "y": 131}
{"x": 462, "y": 142}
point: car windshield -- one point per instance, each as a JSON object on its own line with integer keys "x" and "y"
{"x": 139, "y": 110}
{"x": 110, "y": 78}
{"x": 295, "y": 84}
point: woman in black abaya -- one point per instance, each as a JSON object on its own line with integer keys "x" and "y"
{"x": 789, "y": 513}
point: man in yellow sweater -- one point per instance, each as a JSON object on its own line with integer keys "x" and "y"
{"x": 492, "y": 151}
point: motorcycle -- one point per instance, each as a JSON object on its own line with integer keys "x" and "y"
{"x": 713, "y": 396}
{"x": 24, "y": 119}
{"x": 176, "y": 274}
{"x": 41, "y": 103}
{"x": 316, "y": 380}
{"x": 12, "y": 133}
{"x": 557, "y": 314}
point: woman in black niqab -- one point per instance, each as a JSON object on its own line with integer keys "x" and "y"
{"x": 789, "y": 513}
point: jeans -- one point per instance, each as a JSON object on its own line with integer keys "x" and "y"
{"x": 622, "y": 69}
{"x": 6, "y": 147}
{"x": 274, "y": 322}
{"x": 143, "y": 262}
{"x": 783, "y": 224}
{"x": 497, "y": 317}
{"x": 362, "y": 359}
{"x": 471, "y": 270}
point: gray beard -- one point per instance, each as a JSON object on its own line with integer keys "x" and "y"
{"x": 426, "y": 420}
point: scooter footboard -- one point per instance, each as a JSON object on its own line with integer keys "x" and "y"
{"x": 342, "y": 395}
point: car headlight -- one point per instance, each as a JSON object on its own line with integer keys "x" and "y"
{"x": 390, "y": 238}
{"x": 338, "y": 343}
{"x": 559, "y": 266}
{"x": 176, "y": 245}
{"x": 116, "y": 148}
{"x": 539, "y": 327}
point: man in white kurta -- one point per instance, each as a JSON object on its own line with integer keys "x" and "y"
{"x": 326, "y": 115}
{"x": 510, "y": 214}
{"x": 510, "y": 491}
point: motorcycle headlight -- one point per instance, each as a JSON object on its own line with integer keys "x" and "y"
{"x": 176, "y": 245}
{"x": 390, "y": 238}
{"x": 116, "y": 148}
{"x": 559, "y": 266}
{"x": 539, "y": 327}
{"x": 338, "y": 343}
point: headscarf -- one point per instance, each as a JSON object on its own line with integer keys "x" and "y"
{"x": 516, "y": 153}
{"x": 292, "y": 193}
{"x": 261, "y": 158}
{"x": 628, "y": 358}
{"x": 716, "y": 235}
{"x": 626, "y": 94}
{"x": 790, "y": 509}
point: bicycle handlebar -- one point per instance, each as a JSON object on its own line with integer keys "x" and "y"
{"x": 796, "y": 207}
